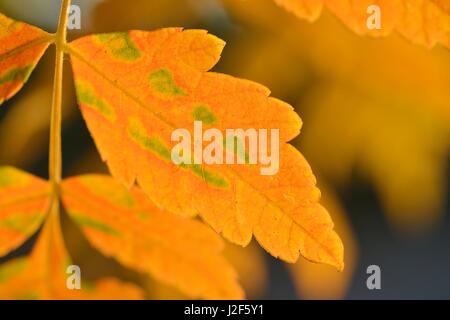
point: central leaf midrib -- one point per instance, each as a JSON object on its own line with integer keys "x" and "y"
{"x": 46, "y": 38}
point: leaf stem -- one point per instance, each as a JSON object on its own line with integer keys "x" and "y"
{"x": 55, "y": 158}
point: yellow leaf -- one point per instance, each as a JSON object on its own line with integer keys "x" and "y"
{"x": 24, "y": 203}
{"x": 425, "y": 22}
{"x": 43, "y": 274}
{"x": 135, "y": 88}
{"x": 21, "y": 47}
{"x": 127, "y": 226}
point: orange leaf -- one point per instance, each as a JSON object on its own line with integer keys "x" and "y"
{"x": 425, "y": 22}
{"x": 127, "y": 226}
{"x": 135, "y": 88}
{"x": 43, "y": 275}
{"x": 24, "y": 202}
{"x": 21, "y": 47}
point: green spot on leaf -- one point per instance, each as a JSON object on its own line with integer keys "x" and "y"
{"x": 204, "y": 114}
{"x": 139, "y": 134}
{"x": 87, "y": 222}
{"x": 23, "y": 223}
{"x": 87, "y": 96}
{"x": 16, "y": 74}
{"x": 210, "y": 177}
{"x": 162, "y": 82}
{"x": 120, "y": 46}
{"x": 239, "y": 148}
{"x": 153, "y": 144}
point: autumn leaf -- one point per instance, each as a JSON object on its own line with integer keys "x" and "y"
{"x": 42, "y": 275}
{"x": 127, "y": 226}
{"x": 425, "y": 22}
{"x": 136, "y": 87}
{"x": 21, "y": 47}
{"x": 24, "y": 203}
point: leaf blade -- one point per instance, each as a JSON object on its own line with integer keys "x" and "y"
{"x": 21, "y": 47}
{"x": 24, "y": 202}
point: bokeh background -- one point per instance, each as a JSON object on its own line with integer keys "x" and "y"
{"x": 376, "y": 132}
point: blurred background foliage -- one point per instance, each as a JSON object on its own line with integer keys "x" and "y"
{"x": 376, "y": 116}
